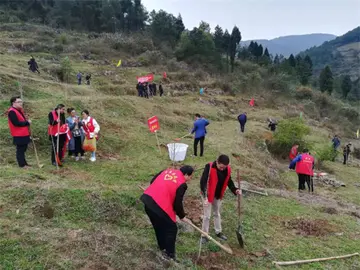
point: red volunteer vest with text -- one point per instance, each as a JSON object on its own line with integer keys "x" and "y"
{"x": 305, "y": 166}
{"x": 52, "y": 130}
{"x": 293, "y": 153}
{"x": 18, "y": 131}
{"x": 212, "y": 183}
{"x": 163, "y": 190}
{"x": 89, "y": 127}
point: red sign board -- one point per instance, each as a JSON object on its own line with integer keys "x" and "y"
{"x": 147, "y": 78}
{"x": 153, "y": 123}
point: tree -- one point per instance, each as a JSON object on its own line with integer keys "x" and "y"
{"x": 226, "y": 46}
{"x": 235, "y": 39}
{"x": 219, "y": 39}
{"x": 292, "y": 61}
{"x": 346, "y": 85}
{"x": 276, "y": 60}
{"x": 326, "y": 80}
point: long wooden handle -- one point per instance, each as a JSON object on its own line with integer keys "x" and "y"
{"x": 228, "y": 250}
{"x": 238, "y": 196}
{"x": 316, "y": 260}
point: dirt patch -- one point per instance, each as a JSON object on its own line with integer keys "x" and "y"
{"x": 193, "y": 209}
{"x": 236, "y": 156}
{"x": 44, "y": 210}
{"x": 69, "y": 173}
{"x": 329, "y": 210}
{"x": 316, "y": 227}
{"x": 214, "y": 261}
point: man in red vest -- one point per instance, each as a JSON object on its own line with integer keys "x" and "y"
{"x": 19, "y": 130}
{"x": 163, "y": 200}
{"x": 293, "y": 152}
{"x": 53, "y": 130}
{"x": 304, "y": 168}
{"x": 215, "y": 178}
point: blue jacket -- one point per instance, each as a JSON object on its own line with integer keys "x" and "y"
{"x": 336, "y": 143}
{"x": 296, "y": 160}
{"x": 71, "y": 123}
{"x": 200, "y": 127}
{"x": 242, "y": 118}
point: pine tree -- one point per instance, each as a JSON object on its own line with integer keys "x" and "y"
{"x": 346, "y": 85}
{"x": 219, "y": 38}
{"x": 234, "y": 42}
{"x": 292, "y": 61}
{"x": 226, "y": 47}
{"x": 276, "y": 60}
{"x": 326, "y": 80}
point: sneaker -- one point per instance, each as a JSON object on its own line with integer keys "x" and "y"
{"x": 92, "y": 159}
{"x": 204, "y": 240}
{"x": 221, "y": 236}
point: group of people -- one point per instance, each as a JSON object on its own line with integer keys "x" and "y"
{"x": 71, "y": 133}
{"x": 147, "y": 89}
{"x": 346, "y": 149}
{"x": 163, "y": 200}
{"x": 79, "y": 78}
{"x": 242, "y": 118}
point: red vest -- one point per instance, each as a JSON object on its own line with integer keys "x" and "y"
{"x": 212, "y": 183}
{"x": 163, "y": 190}
{"x": 89, "y": 127}
{"x": 293, "y": 153}
{"x": 18, "y": 131}
{"x": 305, "y": 166}
{"x": 52, "y": 130}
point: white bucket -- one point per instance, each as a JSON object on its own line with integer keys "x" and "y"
{"x": 177, "y": 151}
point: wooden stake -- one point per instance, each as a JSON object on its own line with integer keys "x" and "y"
{"x": 316, "y": 260}
{"x": 157, "y": 139}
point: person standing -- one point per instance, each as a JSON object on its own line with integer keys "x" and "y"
{"x": 79, "y": 77}
{"x": 19, "y": 130}
{"x": 91, "y": 129}
{"x": 161, "y": 90}
{"x": 304, "y": 168}
{"x": 75, "y": 143}
{"x": 163, "y": 200}
{"x": 214, "y": 180}
{"x": 293, "y": 152}
{"x": 200, "y": 132}
{"x": 346, "y": 152}
{"x": 335, "y": 142}
{"x": 272, "y": 125}
{"x": 56, "y": 131}
{"x": 242, "y": 118}
{"x": 88, "y": 78}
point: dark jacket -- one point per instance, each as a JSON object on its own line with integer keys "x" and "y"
{"x": 15, "y": 121}
{"x": 200, "y": 127}
{"x": 242, "y": 119}
{"x": 221, "y": 180}
{"x": 178, "y": 203}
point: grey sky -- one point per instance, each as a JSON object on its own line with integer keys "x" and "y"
{"x": 258, "y": 19}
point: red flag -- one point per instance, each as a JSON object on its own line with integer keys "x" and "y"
{"x": 147, "y": 78}
{"x": 252, "y": 102}
{"x": 164, "y": 75}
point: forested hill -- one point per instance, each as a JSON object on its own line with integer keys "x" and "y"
{"x": 293, "y": 44}
{"x": 341, "y": 54}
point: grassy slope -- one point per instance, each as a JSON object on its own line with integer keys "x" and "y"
{"x": 98, "y": 220}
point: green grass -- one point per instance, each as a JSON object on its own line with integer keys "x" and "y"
{"x": 98, "y": 220}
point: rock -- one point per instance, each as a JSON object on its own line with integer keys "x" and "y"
{"x": 266, "y": 236}
{"x": 184, "y": 227}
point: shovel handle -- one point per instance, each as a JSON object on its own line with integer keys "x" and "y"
{"x": 228, "y": 250}
{"x": 239, "y": 196}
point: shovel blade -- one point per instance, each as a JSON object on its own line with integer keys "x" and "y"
{"x": 240, "y": 237}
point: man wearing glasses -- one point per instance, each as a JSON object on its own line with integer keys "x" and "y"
{"x": 19, "y": 130}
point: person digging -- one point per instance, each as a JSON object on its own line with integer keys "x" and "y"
{"x": 163, "y": 200}
{"x": 214, "y": 180}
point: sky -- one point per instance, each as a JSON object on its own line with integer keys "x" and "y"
{"x": 266, "y": 19}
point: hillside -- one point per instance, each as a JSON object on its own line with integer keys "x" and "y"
{"x": 98, "y": 221}
{"x": 342, "y": 55}
{"x": 293, "y": 44}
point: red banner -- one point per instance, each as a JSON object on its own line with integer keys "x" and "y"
{"x": 147, "y": 78}
{"x": 164, "y": 75}
{"x": 153, "y": 123}
{"x": 252, "y": 102}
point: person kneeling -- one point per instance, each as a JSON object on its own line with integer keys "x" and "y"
{"x": 163, "y": 200}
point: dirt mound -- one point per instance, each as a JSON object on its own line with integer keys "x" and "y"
{"x": 215, "y": 261}
{"x": 193, "y": 209}
{"x": 329, "y": 210}
{"x": 317, "y": 227}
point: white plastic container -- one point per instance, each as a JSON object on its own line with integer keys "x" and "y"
{"x": 177, "y": 151}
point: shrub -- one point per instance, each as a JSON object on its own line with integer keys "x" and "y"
{"x": 289, "y": 132}
{"x": 349, "y": 113}
{"x": 65, "y": 71}
{"x": 62, "y": 39}
{"x": 303, "y": 92}
{"x": 151, "y": 58}
{"x": 326, "y": 153}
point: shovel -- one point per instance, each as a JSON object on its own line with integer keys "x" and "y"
{"x": 36, "y": 155}
{"x": 239, "y": 231}
{"x": 179, "y": 139}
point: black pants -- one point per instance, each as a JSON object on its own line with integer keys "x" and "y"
{"x": 20, "y": 154}
{"x": 196, "y": 142}
{"x": 346, "y": 157}
{"x": 161, "y": 93}
{"x": 165, "y": 231}
{"x": 242, "y": 127}
{"x": 62, "y": 139}
{"x": 303, "y": 178}
{"x": 78, "y": 146}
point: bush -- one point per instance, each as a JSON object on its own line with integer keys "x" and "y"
{"x": 303, "y": 92}
{"x": 62, "y": 39}
{"x": 150, "y": 58}
{"x": 349, "y": 113}
{"x": 65, "y": 71}
{"x": 289, "y": 132}
{"x": 326, "y": 153}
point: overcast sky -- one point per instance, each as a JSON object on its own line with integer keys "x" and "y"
{"x": 266, "y": 19}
